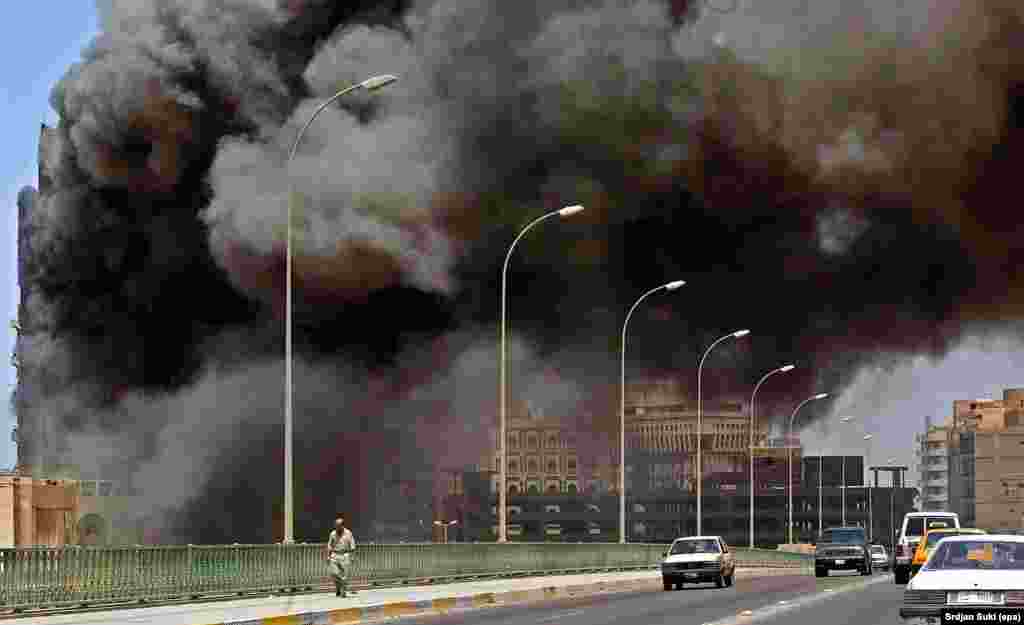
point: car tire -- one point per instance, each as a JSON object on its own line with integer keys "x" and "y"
{"x": 720, "y": 581}
{"x": 729, "y": 579}
{"x": 901, "y": 575}
{"x": 667, "y": 583}
{"x": 679, "y": 585}
{"x": 820, "y": 572}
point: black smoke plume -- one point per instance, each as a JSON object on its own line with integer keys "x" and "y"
{"x": 842, "y": 187}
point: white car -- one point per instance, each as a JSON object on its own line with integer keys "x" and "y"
{"x": 696, "y": 559}
{"x": 879, "y": 559}
{"x": 975, "y": 574}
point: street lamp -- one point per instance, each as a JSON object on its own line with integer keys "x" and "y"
{"x": 783, "y": 369}
{"x": 700, "y": 423}
{"x": 370, "y": 84}
{"x": 867, "y": 454}
{"x": 444, "y": 526}
{"x": 842, "y": 487}
{"x": 502, "y": 487}
{"x": 789, "y": 448}
{"x": 671, "y": 286}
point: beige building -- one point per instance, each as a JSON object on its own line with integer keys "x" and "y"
{"x": 999, "y": 461}
{"x": 662, "y": 419}
{"x": 541, "y": 455}
{"x": 57, "y": 512}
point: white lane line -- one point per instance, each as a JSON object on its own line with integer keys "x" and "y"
{"x": 555, "y": 617}
{"x": 774, "y": 610}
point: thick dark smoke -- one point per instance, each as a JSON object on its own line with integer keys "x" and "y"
{"x": 835, "y": 176}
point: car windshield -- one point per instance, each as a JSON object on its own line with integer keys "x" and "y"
{"x": 977, "y": 555}
{"x": 709, "y": 545}
{"x": 935, "y": 537}
{"x": 850, "y": 536}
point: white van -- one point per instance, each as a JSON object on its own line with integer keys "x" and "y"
{"x": 914, "y": 526}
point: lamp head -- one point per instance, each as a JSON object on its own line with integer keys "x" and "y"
{"x": 845, "y": 419}
{"x": 821, "y": 396}
{"x": 570, "y": 210}
{"x": 376, "y": 82}
{"x": 675, "y": 284}
{"x": 786, "y": 368}
{"x": 868, "y": 437}
{"x": 738, "y": 334}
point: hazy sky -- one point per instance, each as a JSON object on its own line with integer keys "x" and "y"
{"x": 889, "y": 404}
{"x": 34, "y": 59}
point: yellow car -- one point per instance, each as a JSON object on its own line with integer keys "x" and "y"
{"x": 932, "y": 538}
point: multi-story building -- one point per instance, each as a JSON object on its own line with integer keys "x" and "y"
{"x": 982, "y": 443}
{"x": 933, "y": 466}
{"x": 541, "y": 455}
{"x": 555, "y": 494}
{"x": 999, "y": 465}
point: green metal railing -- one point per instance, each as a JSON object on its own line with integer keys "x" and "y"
{"x": 42, "y": 577}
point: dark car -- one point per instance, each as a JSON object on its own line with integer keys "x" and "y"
{"x": 843, "y": 549}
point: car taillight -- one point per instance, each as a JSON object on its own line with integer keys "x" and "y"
{"x": 1015, "y": 597}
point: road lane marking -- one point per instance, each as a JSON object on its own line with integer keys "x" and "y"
{"x": 774, "y": 610}
{"x": 555, "y": 617}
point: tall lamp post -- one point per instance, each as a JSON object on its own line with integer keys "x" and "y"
{"x": 700, "y": 426}
{"x": 671, "y": 286}
{"x": 842, "y": 487}
{"x": 370, "y": 84}
{"x": 789, "y": 448}
{"x": 502, "y": 486}
{"x": 753, "y": 396}
{"x": 871, "y": 525}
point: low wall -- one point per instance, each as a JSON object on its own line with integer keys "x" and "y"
{"x": 52, "y": 577}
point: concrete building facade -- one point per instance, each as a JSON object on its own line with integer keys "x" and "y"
{"x": 982, "y": 447}
{"x": 933, "y": 447}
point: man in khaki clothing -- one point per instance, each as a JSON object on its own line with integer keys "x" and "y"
{"x": 340, "y": 546}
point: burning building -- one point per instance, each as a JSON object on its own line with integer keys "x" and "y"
{"x": 820, "y": 214}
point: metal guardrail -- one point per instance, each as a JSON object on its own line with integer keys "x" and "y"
{"x": 41, "y": 577}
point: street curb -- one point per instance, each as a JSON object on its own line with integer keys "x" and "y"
{"x": 445, "y": 605}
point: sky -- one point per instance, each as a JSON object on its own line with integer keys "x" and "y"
{"x": 35, "y": 59}
{"x": 889, "y": 404}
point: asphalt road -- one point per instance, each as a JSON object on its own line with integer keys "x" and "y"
{"x": 701, "y": 604}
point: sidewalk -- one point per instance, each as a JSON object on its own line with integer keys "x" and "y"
{"x": 367, "y": 605}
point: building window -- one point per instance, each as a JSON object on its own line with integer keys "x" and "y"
{"x": 531, "y": 441}
{"x": 552, "y": 466}
{"x": 553, "y": 442}
{"x": 88, "y": 489}
{"x": 531, "y": 466}
{"x": 513, "y": 466}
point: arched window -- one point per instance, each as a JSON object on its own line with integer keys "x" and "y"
{"x": 533, "y": 490}
{"x": 552, "y": 466}
{"x": 513, "y": 490}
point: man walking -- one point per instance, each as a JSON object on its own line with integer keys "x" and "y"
{"x": 340, "y": 546}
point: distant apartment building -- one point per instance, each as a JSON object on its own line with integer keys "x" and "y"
{"x": 933, "y": 447}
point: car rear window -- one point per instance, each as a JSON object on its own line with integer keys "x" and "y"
{"x": 977, "y": 555}
{"x": 848, "y": 536}
{"x": 915, "y": 526}
{"x": 695, "y": 546}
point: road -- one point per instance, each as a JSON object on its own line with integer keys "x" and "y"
{"x": 789, "y": 599}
